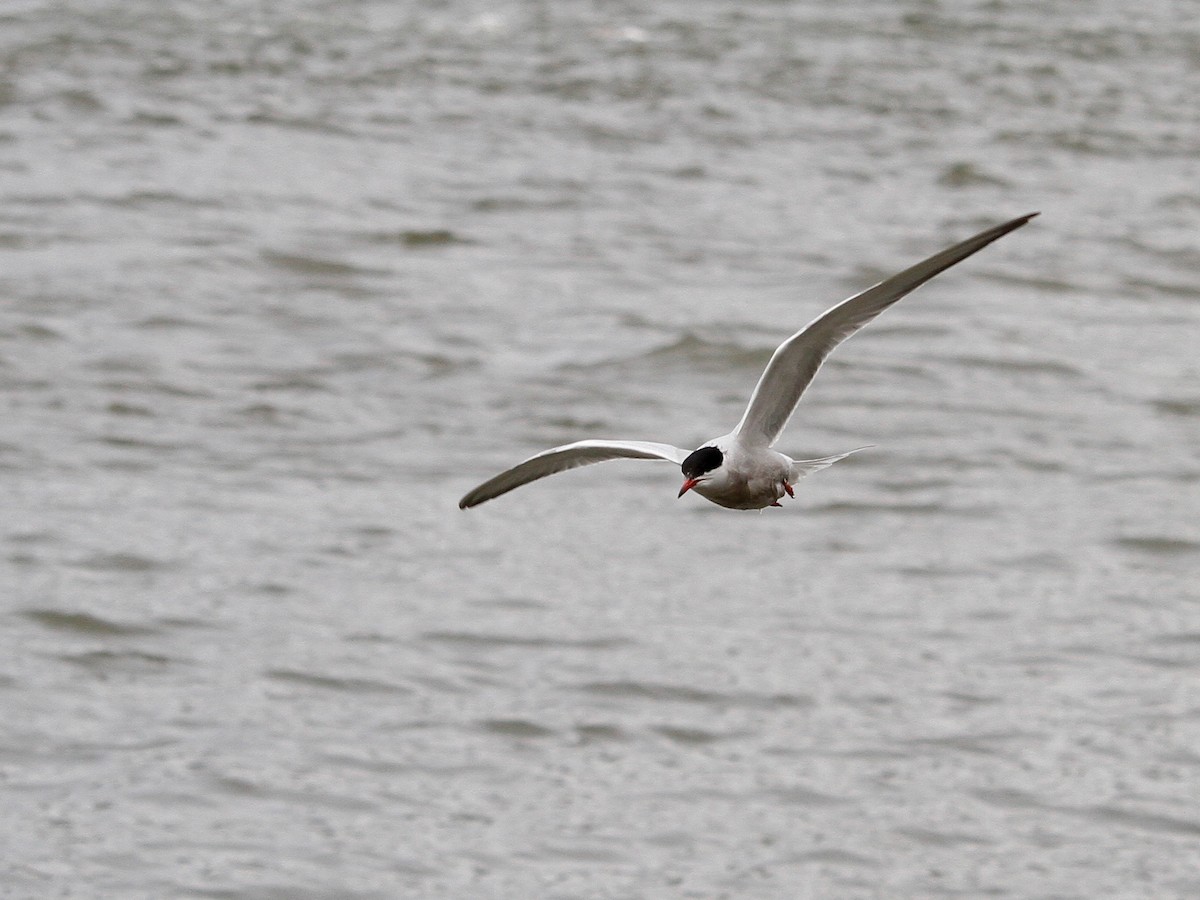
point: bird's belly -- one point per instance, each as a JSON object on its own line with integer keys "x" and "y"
{"x": 742, "y": 493}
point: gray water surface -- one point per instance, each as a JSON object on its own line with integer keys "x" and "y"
{"x": 280, "y": 282}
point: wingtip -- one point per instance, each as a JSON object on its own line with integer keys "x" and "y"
{"x": 1020, "y": 220}
{"x": 1001, "y": 230}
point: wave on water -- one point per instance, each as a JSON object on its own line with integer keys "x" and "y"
{"x": 688, "y": 350}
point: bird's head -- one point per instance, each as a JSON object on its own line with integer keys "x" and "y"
{"x": 700, "y": 466}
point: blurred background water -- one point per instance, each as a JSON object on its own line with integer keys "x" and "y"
{"x": 279, "y": 282}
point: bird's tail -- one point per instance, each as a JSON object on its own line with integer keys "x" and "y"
{"x": 802, "y": 467}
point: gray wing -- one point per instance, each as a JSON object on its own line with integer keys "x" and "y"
{"x": 798, "y": 358}
{"x": 569, "y": 456}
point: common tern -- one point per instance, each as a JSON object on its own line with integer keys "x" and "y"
{"x": 739, "y": 470}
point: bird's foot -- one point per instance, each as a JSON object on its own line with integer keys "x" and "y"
{"x": 777, "y": 503}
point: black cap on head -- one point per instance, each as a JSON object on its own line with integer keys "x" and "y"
{"x": 701, "y": 461}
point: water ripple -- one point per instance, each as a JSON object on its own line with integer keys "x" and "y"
{"x": 84, "y": 623}
{"x": 499, "y": 641}
{"x": 335, "y": 683}
{"x": 668, "y": 693}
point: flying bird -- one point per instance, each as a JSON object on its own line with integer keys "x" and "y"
{"x": 739, "y": 470}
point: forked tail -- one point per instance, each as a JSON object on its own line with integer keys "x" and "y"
{"x": 802, "y": 467}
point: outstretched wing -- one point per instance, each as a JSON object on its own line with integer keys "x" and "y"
{"x": 569, "y": 456}
{"x": 798, "y": 358}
